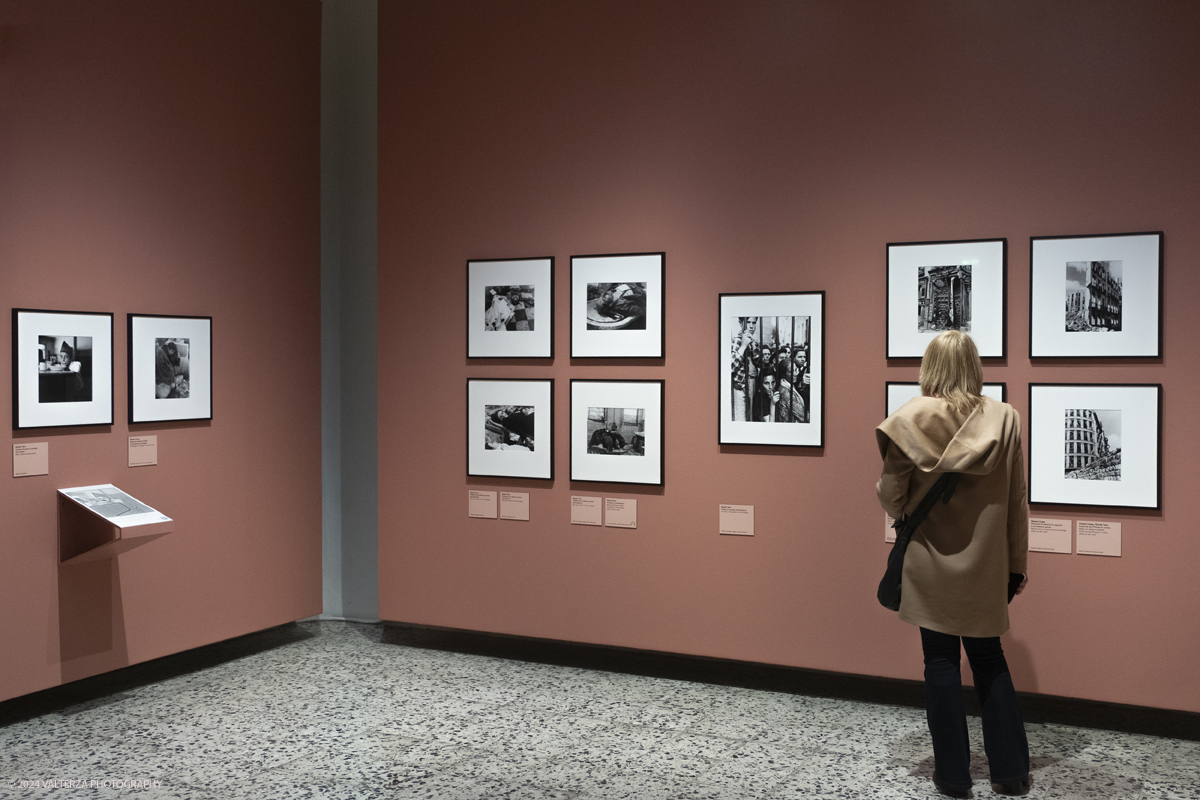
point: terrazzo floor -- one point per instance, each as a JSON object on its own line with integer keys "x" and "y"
{"x": 339, "y": 714}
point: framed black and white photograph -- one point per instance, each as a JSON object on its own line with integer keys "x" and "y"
{"x": 510, "y": 428}
{"x": 772, "y": 369}
{"x": 900, "y": 392}
{"x": 510, "y": 308}
{"x": 1097, "y": 296}
{"x": 1095, "y": 444}
{"x": 170, "y": 368}
{"x": 617, "y": 306}
{"x": 62, "y": 368}
{"x": 617, "y": 431}
{"x": 941, "y": 286}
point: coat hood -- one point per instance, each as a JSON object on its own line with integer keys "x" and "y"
{"x": 937, "y": 439}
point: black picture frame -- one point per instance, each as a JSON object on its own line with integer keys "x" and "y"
{"x": 50, "y": 392}
{"x": 626, "y": 460}
{"x": 527, "y": 327}
{"x": 774, "y": 316}
{"x": 634, "y": 285}
{"x": 496, "y": 449}
{"x": 912, "y": 319}
{"x": 191, "y": 365}
{"x": 1053, "y": 450}
{"x": 1083, "y": 323}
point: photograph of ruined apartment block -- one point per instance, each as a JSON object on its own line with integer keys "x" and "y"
{"x": 1093, "y": 296}
{"x": 1092, "y": 445}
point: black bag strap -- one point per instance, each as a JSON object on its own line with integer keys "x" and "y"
{"x": 889, "y": 588}
{"x": 943, "y": 487}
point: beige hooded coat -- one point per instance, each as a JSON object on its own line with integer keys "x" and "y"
{"x": 956, "y": 569}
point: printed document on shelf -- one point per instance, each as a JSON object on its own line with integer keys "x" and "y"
{"x": 114, "y": 505}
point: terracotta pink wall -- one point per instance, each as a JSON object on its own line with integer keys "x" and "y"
{"x": 774, "y": 146}
{"x": 163, "y": 158}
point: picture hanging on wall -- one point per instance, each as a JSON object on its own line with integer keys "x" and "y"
{"x": 1095, "y": 444}
{"x": 1098, "y": 296}
{"x": 170, "y": 368}
{"x": 510, "y": 308}
{"x": 772, "y": 369}
{"x": 510, "y": 428}
{"x": 62, "y": 368}
{"x": 617, "y": 431}
{"x": 617, "y": 306}
{"x": 941, "y": 286}
{"x": 900, "y": 392}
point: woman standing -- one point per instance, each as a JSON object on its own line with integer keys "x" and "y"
{"x": 964, "y": 556}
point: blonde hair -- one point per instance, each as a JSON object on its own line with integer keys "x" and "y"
{"x": 952, "y": 371}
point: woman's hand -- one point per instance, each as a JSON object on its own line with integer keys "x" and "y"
{"x": 1024, "y": 583}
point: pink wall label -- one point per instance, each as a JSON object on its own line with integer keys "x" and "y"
{"x": 481, "y": 504}
{"x": 514, "y": 505}
{"x": 620, "y": 513}
{"x": 1049, "y": 535}
{"x": 585, "y": 510}
{"x": 1098, "y": 538}
{"x": 143, "y": 451}
{"x": 736, "y": 520}
{"x": 32, "y": 458}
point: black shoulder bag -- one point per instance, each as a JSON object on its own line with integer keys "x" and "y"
{"x": 889, "y": 587}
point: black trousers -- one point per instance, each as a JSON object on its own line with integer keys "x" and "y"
{"x": 1004, "y": 739}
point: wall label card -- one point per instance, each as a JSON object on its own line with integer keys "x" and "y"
{"x": 586, "y": 510}
{"x": 620, "y": 512}
{"x": 889, "y": 533}
{"x": 1096, "y": 538}
{"x": 737, "y": 520}
{"x": 481, "y": 504}
{"x": 31, "y": 458}
{"x": 514, "y": 505}
{"x": 143, "y": 451}
{"x": 1049, "y": 535}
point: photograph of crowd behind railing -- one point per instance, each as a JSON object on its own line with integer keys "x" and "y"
{"x": 770, "y": 369}
{"x": 508, "y": 428}
{"x": 508, "y": 308}
{"x": 616, "y": 431}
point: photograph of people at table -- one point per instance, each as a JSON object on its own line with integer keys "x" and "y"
{"x": 64, "y": 369}
{"x": 171, "y": 368}
{"x": 508, "y": 427}
{"x": 616, "y": 431}
{"x": 770, "y": 369}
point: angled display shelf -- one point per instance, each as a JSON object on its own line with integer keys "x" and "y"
{"x": 96, "y": 522}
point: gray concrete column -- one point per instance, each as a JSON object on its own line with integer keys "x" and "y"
{"x": 349, "y": 419}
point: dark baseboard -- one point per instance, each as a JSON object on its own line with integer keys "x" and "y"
{"x": 110, "y": 686}
{"x": 792, "y": 680}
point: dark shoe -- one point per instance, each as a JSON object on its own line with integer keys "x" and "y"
{"x": 951, "y": 791}
{"x": 1014, "y": 788}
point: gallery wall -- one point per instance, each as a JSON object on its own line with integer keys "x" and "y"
{"x": 163, "y": 158}
{"x": 773, "y": 146}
